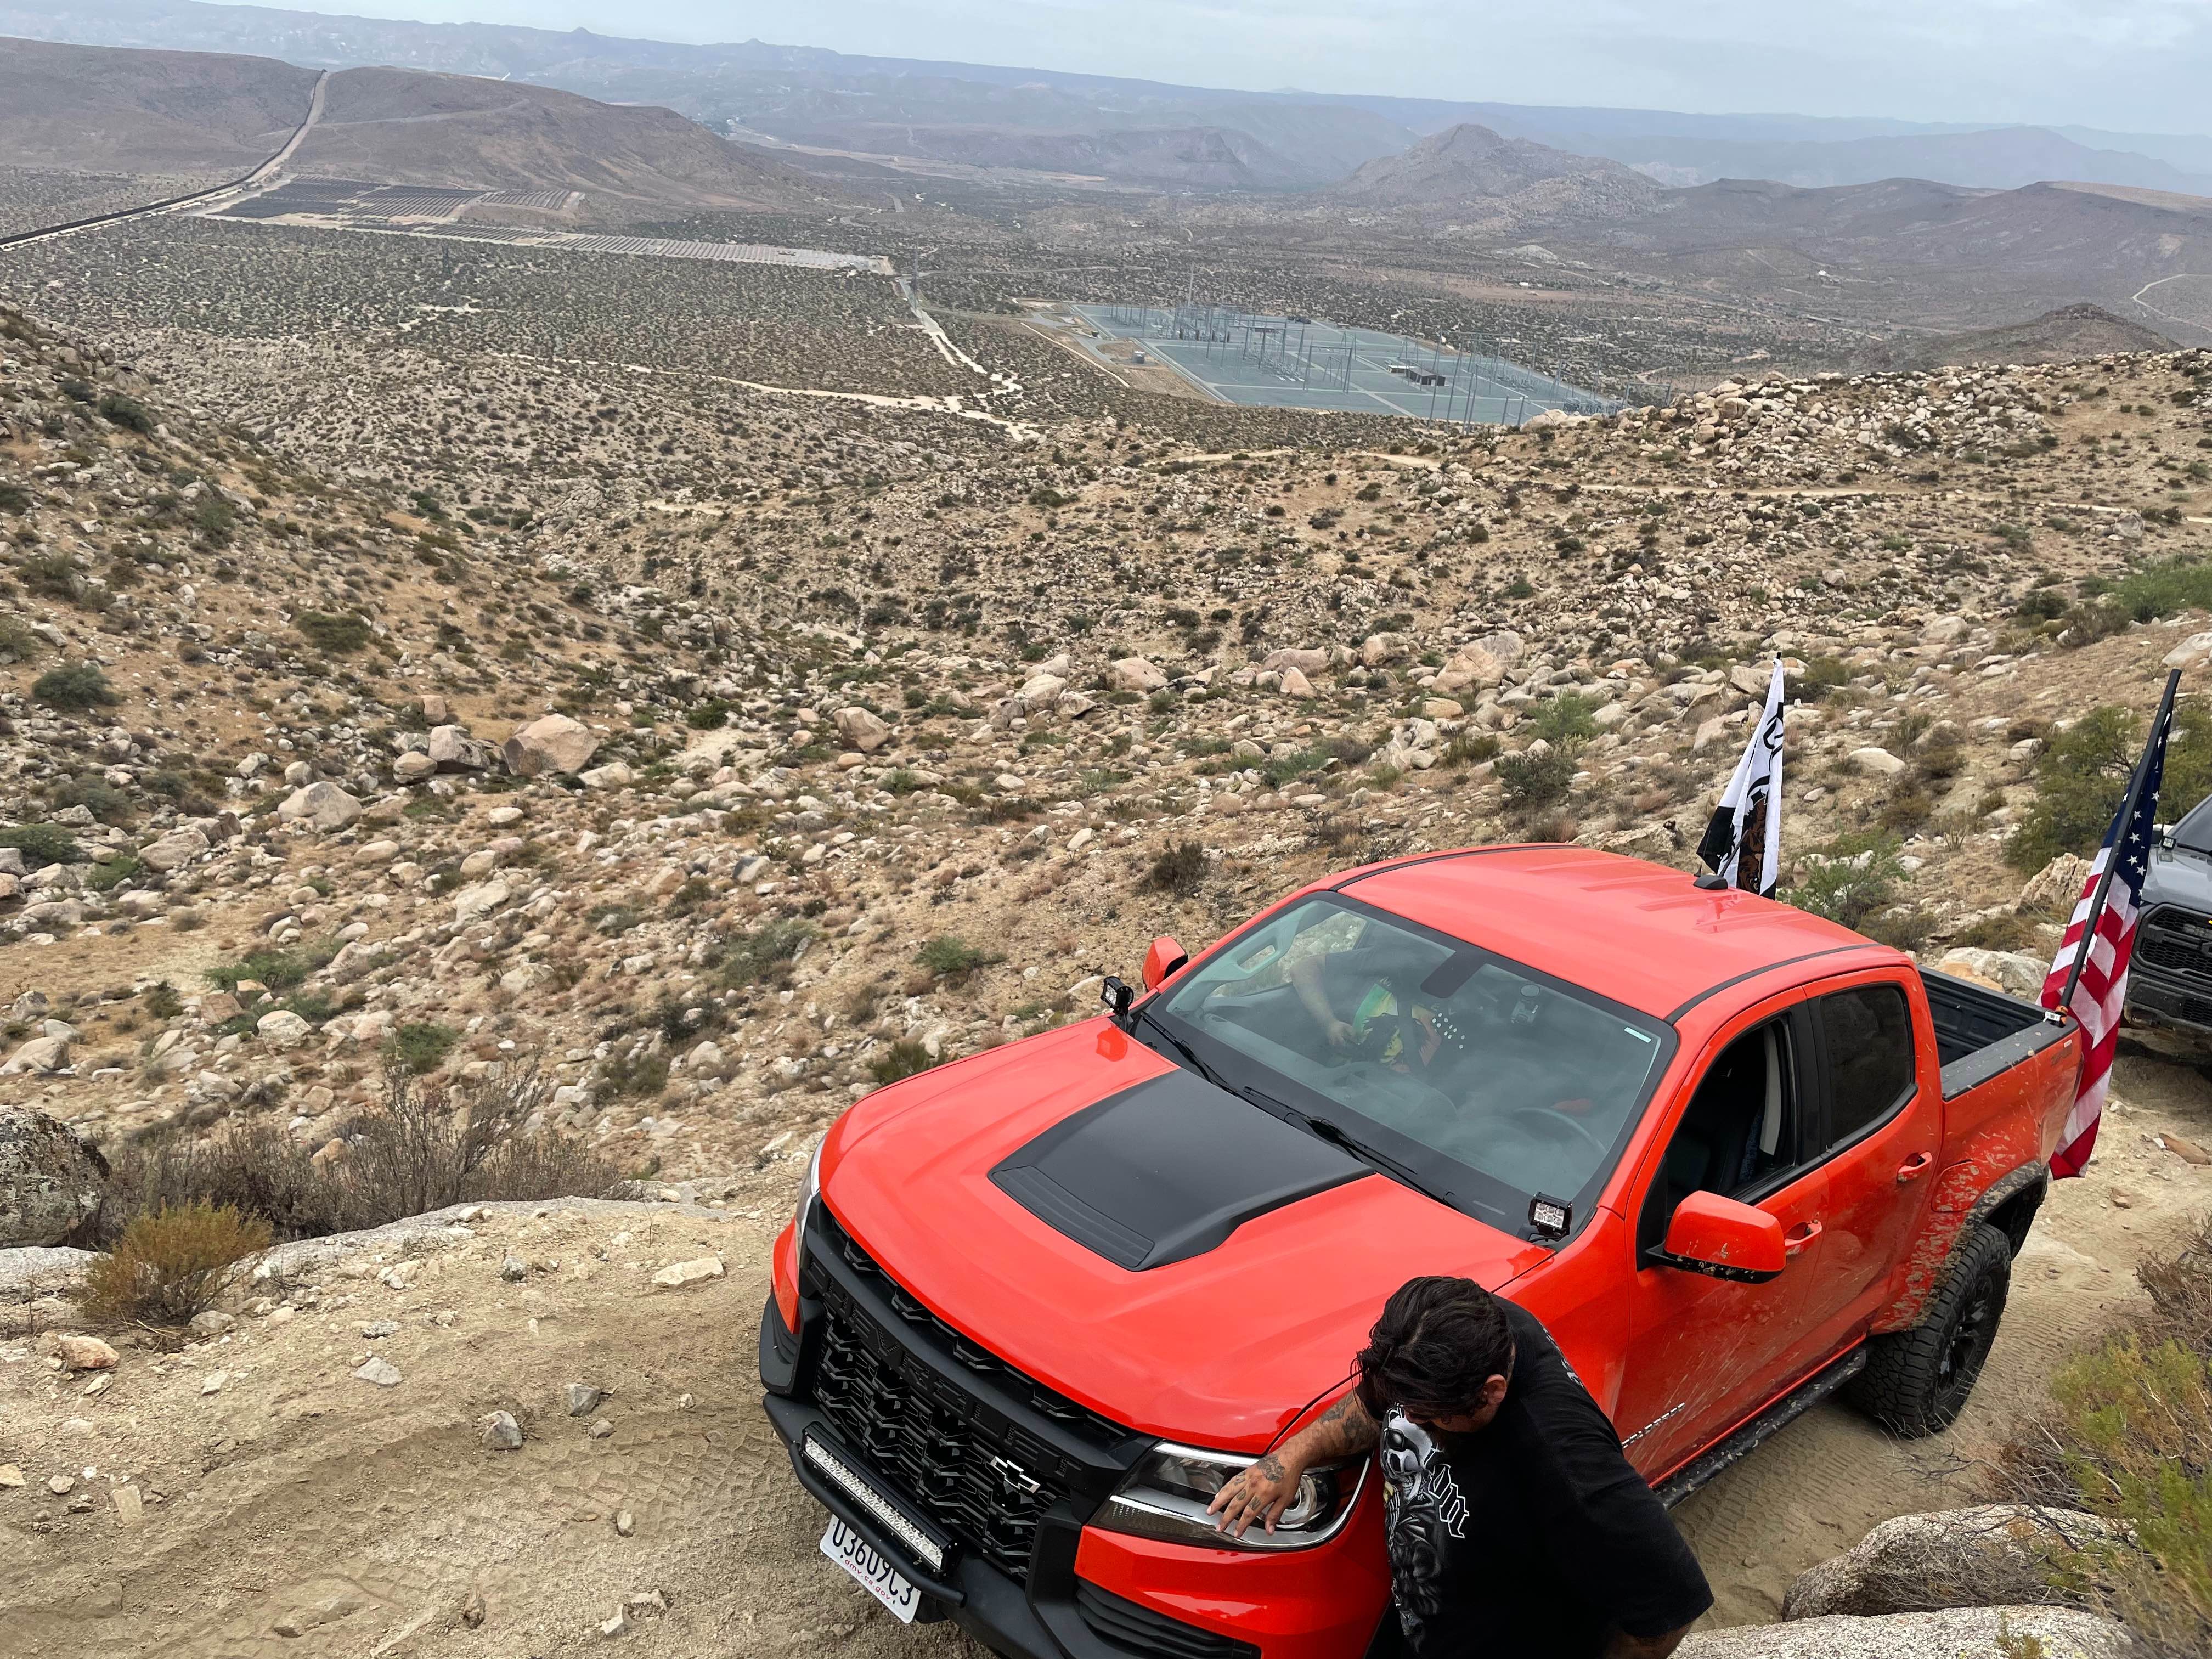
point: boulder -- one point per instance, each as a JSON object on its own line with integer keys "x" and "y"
{"x": 413, "y": 766}
{"x": 2010, "y": 971}
{"x": 1296, "y": 684}
{"x": 283, "y": 1029}
{"x": 1135, "y": 674}
{"x": 2191, "y": 652}
{"x": 615, "y": 775}
{"x": 51, "y": 1182}
{"x": 1379, "y": 648}
{"x": 1958, "y": 1633}
{"x": 41, "y": 1055}
{"x": 1306, "y": 662}
{"x": 1952, "y": 1559}
{"x": 1876, "y": 763}
{"x": 452, "y": 749}
{"x": 553, "y": 742}
{"x": 2053, "y": 890}
{"x": 1469, "y": 668}
{"x": 861, "y": 730}
{"x": 179, "y": 847}
{"x": 322, "y": 806}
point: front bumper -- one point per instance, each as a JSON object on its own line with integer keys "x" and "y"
{"x": 2167, "y": 1002}
{"x": 1322, "y": 1603}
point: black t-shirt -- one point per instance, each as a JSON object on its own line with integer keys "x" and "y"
{"x": 1532, "y": 1538}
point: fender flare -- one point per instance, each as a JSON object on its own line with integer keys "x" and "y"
{"x": 1908, "y": 1309}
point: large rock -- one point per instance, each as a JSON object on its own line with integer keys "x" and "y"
{"x": 452, "y": 749}
{"x": 859, "y": 729}
{"x": 51, "y": 1182}
{"x": 41, "y": 1055}
{"x": 1958, "y": 1633}
{"x": 1307, "y": 662}
{"x": 179, "y": 847}
{"x": 2053, "y": 890}
{"x": 1135, "y": 674}
{"x": 1950, "y": 1558}
{"x": 1471, "y": 667}
{"x": 2009, "y": 971}
{"x": 283, "y": 1029}
{"x": 553, "y": 742}
{"x": 322, "y": 806}
{"x": 1876, "y": 763}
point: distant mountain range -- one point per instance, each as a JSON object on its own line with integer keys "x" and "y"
{"x": 1141, "y": 133}
{"x": 97, "y": 108}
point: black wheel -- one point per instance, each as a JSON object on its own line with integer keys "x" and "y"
{"x": 1917, "y": 1382}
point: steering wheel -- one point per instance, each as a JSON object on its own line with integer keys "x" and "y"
{"x": 1550, "y": 1120}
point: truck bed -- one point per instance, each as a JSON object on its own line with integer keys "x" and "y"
{"x": 1980, "y": 1032}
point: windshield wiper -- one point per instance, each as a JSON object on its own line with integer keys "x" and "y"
{"x": 1144, "y": 1016}
{"x": 1322, "y": 1129}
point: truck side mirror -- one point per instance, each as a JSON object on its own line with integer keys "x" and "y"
{"x": 1163, "y": 959}
{"x": 1723, "y": 1239}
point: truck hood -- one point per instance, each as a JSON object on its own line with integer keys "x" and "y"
{"x": 1165, "y": 1253}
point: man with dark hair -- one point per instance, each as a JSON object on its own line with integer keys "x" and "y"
{"x": 1516, "y": 1526}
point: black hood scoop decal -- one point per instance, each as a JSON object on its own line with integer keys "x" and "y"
{"x": 1167, "y": 1170}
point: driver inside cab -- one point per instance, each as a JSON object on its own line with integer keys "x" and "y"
{"x": 1357, "y": 1003}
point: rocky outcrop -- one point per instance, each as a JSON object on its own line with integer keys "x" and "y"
{"x": 51, "y": 1182}
{"x": 1950, "y": 1558}
{"x": 1958, "y": 1633}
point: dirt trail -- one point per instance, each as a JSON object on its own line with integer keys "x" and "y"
{"x": 295, "y": 1497}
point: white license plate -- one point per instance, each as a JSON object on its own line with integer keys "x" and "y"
{"x": 877, "y": 1576}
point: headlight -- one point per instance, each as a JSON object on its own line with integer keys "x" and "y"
{"x": 1166, "y": 1494}
{"x": 810, "y": 1195}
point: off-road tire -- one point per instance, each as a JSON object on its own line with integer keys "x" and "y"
{"x": 1916, "y": 1382}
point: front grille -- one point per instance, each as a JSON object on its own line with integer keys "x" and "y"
{"x": 2173, "y": 940}
{"x": 950, "y": 1451}
{"x": 1153, "y": 1634}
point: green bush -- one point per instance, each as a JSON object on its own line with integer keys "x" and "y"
{"x": 2081, "y": 776}
{"x": 1532, "y": 781}
{"x": 171, "y": 1264}
{"x": 2162, "y": 589}
{"x": 213, "y": 517}
{"x": 1850, "y": 880}
{"x": 762, "y": 956}
{"x": 420, "y": 1046}
{"x": 106, "y": 877}
{"x": 1565, "y": 718}
{"x": 1180, "y": 869}
{"x": 707, "y": 716}
{"x": 953, "y": 958}
{"x": 124, "y": 412}
{"x": 279, "y": 970}
{"x": 42, "y": 844}
{"x": 83, "y": 686}
{"x": 339, "y": 634}
{"x": 901, "y": 1058}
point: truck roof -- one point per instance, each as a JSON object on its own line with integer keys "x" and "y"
{"x": 1640, "y": 933}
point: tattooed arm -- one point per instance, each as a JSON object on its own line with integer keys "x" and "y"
{"x": 1265, "y": 1490}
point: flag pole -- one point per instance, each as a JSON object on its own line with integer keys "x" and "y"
{"x": 2121, "y": 824}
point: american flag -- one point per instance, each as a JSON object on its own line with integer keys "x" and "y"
{"x": 2102, "y": 991}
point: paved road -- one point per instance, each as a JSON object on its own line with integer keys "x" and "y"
{"x": 261, "y": 175}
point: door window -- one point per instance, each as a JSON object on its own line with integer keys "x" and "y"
{"x": 1741, "y": 1130}
{"x": 1866, "y": 1039}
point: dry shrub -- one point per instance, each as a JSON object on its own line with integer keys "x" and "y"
{"x": 434, "y": 1144}
{"x": 2128, "y": 1438}
{"x": 172, "y": 1263}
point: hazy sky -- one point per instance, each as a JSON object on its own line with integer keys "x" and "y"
{"x": 2139, "y": 65}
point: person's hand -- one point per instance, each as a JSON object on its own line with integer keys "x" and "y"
{"x": 1260, "y": 1492}
{"x": 1340, "y": 1035}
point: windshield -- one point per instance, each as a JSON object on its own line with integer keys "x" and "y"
{"x": 1490, "y": 1083}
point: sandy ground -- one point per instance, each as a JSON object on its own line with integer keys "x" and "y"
{"x": 289, "y": 1507}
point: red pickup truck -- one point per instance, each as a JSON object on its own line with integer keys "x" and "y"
{"x": 1037, "y": 1305}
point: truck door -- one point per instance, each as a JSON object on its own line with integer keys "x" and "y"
{"x": 1705, "y": 1353}
{"x": 1880, "y": 1133}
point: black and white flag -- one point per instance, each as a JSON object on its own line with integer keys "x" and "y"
{"x": 1743, "y": 842}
